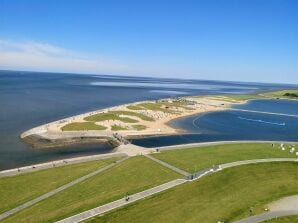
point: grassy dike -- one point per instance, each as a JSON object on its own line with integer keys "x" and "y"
{"x": 16, "y": 190}
{"x": 131, "y": 176}
{"x": 198, "y": 158}
{"x": 223, "y": 196}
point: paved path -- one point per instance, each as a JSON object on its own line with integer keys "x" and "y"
{"x": 202, "y": 144}
{"x": 267, "y": 216}
{"x": 55, "y": 191}
{"x": 168, "y": 165}
{"x": 121, "y": 202}
{"x": 244, "y": 162}
{"x": 191, "y": 177}
{"x": 58, "y": 163}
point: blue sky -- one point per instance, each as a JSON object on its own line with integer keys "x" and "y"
{"x": 242, "y": 40}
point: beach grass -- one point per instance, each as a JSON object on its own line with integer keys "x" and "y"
{"x": 158, "y": 106}
{"x": 131, "y": 113}
{"x": 139, "y": 127}
{"x": 198, "y": 158}
{"x": 134, "y": 107}
{"x": 133, "y": 175}
{"x": 289, "y": 94}
{"x": 80, "y": 126}
{"x": 224, "y": 196}
{"x": 16, "y": 190}
{"x": 109, "y": 116}
{"x": 118, "y": 128}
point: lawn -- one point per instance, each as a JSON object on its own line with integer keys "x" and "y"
{"x": 133, "y": 175}
{"x": 223, "y": 196}
{"x": 288, "y": 219}
{"x": 109, "y": 116}
{"x": 16, "y": 190}
{"x": 131, "y": 113}
{"x": 195, "y": 159}
{"x": 79, "y": 126}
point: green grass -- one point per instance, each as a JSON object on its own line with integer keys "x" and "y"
{"x": 288, "y": 219}
{"x": 282, "y": 94}
{"x": 134, "y": 107}
{"x": 109, "y": 116}
{"x": 139, "y": 127}
{"x": 131, "y": 113}
{"x": 118, "y": 128}
{"x": 16, "y": 190}
{"x": 133, "y": 175}
{"x": 223, "y": 196}
{"x": 157, "y": 106}
{"x": 78, "y": 126}
{"x": 195, "y": 159}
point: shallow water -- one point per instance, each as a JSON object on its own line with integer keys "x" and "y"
{"x": 29, "y": 99}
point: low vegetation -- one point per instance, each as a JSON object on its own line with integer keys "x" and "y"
{"x": 80, "y": 126}
{"x": 109, "y": 116}
{"x": 139, "y": 127}
{"x": 118, "y": 128}
{"x": 198, "y": 158}
{"x": 16, "y": 190}
{"x": 290, "y": 94}
{"x": 224, "y": 196}
{"x": 131, "y": 113}
{"x": 133, "y": 175}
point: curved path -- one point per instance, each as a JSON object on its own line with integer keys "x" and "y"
{"x": 122, "y": 202}
{"x": 268, "y": 216}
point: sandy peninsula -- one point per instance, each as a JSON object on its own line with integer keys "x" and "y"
{"x": 117, "y": 124}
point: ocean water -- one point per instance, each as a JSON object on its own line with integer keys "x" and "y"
{"x": 28, "y": 99}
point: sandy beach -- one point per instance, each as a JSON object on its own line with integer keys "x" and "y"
{"x": 158, "y": 114}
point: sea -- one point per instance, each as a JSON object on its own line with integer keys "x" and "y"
{"x": 29, "y": 99}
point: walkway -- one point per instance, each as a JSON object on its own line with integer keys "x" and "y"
{"x": 121, "y": 202}
{"x": 182, "y": 172}
{"x": 284, "y": 207}
{"x": 267, "y": 216}
{"x": 55, "y": 191}
{"x": 58, "y": 163}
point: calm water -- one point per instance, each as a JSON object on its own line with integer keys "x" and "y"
{"x": 235, "y": 125}
{"x": 29, "y": 99}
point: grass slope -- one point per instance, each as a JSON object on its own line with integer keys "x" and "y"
{"x": 133, "y": 175}
{"x": 223, "y": 196}
{"x": 16, "y": 190}
{"x": 195, "y": 159}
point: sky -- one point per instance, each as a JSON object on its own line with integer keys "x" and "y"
{"x": 236, "y": 40}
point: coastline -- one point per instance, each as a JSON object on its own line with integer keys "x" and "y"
{"x": 50, "y": 134}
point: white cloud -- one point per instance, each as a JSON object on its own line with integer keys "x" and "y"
{"x": 36, "y": 56}
{"x": 46, "y": 57}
